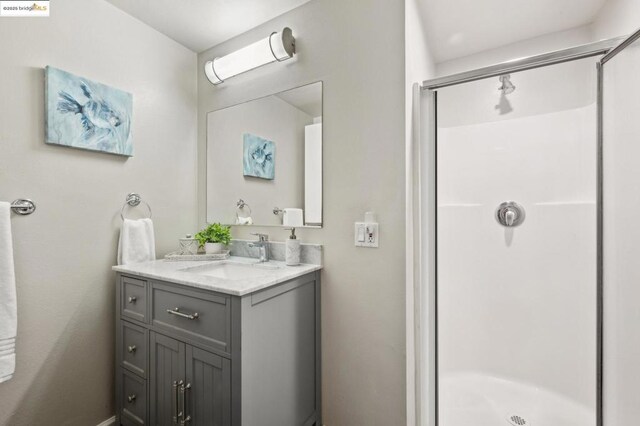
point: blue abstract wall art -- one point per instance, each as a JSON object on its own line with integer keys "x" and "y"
{"x": 259, "y": 158}
{"x": 87, "y": 115}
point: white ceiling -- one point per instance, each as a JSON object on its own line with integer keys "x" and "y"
{"x": 201, "y": 24}
{"x": 457, "y": 28}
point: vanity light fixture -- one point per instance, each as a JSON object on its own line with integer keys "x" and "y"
{"x": 279, "y": 46}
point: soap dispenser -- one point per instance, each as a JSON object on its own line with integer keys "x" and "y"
{"x": 292, "y": 249}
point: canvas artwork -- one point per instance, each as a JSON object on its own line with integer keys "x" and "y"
{"x": 87, "y": 115}
{"x": 259, "y": 157}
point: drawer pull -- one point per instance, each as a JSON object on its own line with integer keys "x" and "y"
{"x": 132, "y": 299}
{"x": 131, "y": 398}
{"x": 132, "y": 349}
{"x": 176, "y": 311}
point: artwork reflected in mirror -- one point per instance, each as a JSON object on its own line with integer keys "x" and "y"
{"x": 264, "y": 160}
{"x": 259, "y": 157}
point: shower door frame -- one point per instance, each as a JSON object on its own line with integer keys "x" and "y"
{"x": 607, "y": 49}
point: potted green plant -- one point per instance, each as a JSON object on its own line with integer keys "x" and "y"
{"x": 214, "y": 238}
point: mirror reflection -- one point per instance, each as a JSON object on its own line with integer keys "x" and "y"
{"x": 264, "y": 160}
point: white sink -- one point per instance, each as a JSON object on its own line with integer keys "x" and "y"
{"x": 234, "y": 271}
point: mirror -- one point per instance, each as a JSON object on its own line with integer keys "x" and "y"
{"x": 264, "y": 160}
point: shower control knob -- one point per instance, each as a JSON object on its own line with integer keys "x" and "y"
{"x": 509, "y": 217}
{"x": 510, "y": 214}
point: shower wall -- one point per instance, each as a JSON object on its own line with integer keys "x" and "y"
{"x": 517, "y": 306}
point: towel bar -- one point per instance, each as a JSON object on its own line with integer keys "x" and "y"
{"x": 23, "y": 206}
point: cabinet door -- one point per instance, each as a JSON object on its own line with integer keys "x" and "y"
{"x": 208, "y": 400}
{"x": 167, "y": 368}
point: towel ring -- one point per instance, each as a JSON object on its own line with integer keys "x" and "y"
{"x": 134, "y": 200}
{"x": 240, "y": 205}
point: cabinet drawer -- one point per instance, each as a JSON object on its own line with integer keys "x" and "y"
{"x": 133, "y": 299}
{"x": 202, "y": 317}
{"x": 134, "y": 348}
{"x": 134, "y": 399}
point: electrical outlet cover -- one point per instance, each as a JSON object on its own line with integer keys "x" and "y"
{"x": 370, "y": 232}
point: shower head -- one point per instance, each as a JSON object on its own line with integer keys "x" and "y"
{"x": 507, "y": 86}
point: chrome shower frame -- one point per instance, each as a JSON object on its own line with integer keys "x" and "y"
{"x": 605, "y": 48}
{"x": 528, "y": 63}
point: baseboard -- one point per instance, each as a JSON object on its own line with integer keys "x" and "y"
{"x": 109, "y": 422}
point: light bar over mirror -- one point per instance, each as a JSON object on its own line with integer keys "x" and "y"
{"x": 279, "y": 46}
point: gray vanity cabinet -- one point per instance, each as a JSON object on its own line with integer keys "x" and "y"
{"x": 210, "y": 379}
{"x": 167, "y": 371}
{"x": 187, "y": 356}
{"x": 188, "y": 384}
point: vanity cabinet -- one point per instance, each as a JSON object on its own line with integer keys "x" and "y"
{"x": 190, "y": 356}
{"x": 188, "y": 385}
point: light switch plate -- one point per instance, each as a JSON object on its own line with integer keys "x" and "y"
{"x": 367, "y": 234}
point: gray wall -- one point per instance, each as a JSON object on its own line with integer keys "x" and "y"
{"x": 357, "y": 49}
{"x": 65, "y": 250}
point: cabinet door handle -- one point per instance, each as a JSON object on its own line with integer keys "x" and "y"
{"x": 183, "y": 396}
{"x": 180, "y": 396}
{"x": 176, "y": 311}
{"x": 132, "y": 299}
{"x": 174, "y": 401}
{"x": 132, "y": 349}
{"x": 131, "y": 398}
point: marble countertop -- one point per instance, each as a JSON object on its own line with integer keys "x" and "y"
{"x": 270, "y": 274}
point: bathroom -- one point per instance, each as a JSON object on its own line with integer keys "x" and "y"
{"x": 526, "y": 323}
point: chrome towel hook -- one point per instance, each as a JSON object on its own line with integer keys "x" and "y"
{"x": 134, "y": 200}
{"x": 23, "y": 206}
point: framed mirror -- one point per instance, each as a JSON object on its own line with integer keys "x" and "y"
{"x": 264, "y": 160}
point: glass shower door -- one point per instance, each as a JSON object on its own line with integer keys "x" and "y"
{"x": 620, "y": 91}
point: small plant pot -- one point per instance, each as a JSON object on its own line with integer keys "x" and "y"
{"x": 213, "y": 248}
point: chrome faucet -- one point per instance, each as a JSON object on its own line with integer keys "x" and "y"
{"x": 263, "y": 245}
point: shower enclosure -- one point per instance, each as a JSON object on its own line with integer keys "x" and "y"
{"x": 529, "y": 207}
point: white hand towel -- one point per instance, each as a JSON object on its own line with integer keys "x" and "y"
{"x": 8, "y": 302}
{"x": 244, "y": 220}
{"x": 137, "y": 242}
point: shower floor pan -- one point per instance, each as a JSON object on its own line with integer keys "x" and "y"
{"x": 483, "y": 400}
